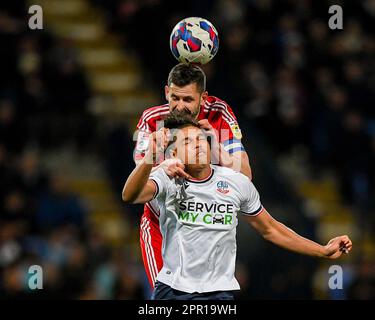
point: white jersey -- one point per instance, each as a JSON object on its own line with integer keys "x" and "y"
{"x": 198, "y": 220}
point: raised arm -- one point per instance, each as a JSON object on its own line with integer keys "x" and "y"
{"x": 279, "y": 234}
{"x": 138, "y": 188}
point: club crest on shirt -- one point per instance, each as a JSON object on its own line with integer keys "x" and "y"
{"x": 235, "y": 130}
{"x": 222, "y": 187}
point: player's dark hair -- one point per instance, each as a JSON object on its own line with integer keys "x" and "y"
{"x": 184, "y": 74}
{"x": 179, "y": 120}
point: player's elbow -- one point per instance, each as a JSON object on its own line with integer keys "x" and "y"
{"x": 131, "y": 199}
{"x": 269, "y": 231}
{"x": 127, "y": 197}
{"x": 269, "y": 234}
{"x": 275, "y": 232}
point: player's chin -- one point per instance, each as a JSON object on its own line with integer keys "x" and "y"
{"x": 197, "y": 165}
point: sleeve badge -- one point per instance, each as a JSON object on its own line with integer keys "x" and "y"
{"x": 236, "y": 130}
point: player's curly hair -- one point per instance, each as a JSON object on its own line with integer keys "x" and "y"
{"x": 184, "y": 74}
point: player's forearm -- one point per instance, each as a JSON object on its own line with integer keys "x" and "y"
{"x": 137, "y": 181}
{"x": 286, "y": 238}
{"x": 244, "y": 164}
{"x": 238, "y": 161}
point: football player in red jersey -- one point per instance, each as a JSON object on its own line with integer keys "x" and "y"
{"x": 185, "y": 93}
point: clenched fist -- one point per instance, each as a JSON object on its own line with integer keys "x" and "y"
{"x": 337, "y": 246}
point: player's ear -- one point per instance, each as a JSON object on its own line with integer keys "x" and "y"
{"x": 174, "y": 153}
{"x": 166, "y": 91}
{"x": 171, "y": 151}
{"x": 204, "y": 97}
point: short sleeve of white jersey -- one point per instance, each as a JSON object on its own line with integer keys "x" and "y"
{"x": 161, "y": 181}
{"x": 250, "y": 205}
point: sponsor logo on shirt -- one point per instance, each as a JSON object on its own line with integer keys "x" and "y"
{"x": 206, "y": 213}
{"x": 218, "y": 218}
{"x": 205, "y": 218}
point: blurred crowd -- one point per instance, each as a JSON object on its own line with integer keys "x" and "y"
{"x": 304, "y": 86}
{"x": 43, "y": 107}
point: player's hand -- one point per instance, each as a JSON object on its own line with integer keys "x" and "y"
{"x": 215, "y": 146}
{"x": 174, "y": 168}
{"x": 158, "y": 142}
{"x": 204, "y": 124}
{"x": 337, "y": 246}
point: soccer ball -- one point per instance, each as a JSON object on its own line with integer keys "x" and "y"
{"x": 194, "y": 40}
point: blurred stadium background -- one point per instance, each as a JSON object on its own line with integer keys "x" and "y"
{"x": 70, "y": 97}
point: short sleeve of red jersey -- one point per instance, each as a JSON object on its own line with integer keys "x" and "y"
{"x": 229, "y": 131}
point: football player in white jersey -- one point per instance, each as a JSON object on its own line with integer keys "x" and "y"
{"x": 198, "y": 216}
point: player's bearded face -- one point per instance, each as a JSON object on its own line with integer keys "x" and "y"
{"x": 185, "y": 100}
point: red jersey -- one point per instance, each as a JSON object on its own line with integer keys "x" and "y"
{"x": 218, "y": 113}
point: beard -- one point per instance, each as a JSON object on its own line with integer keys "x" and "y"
{"x": 186, "y": 112}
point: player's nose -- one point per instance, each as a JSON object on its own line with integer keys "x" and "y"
{"x": 180, "y": 107}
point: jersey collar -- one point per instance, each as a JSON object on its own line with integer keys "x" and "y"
{"x": 208, "y": 178}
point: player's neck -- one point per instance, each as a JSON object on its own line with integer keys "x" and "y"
{"x": 199, "y": 172}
